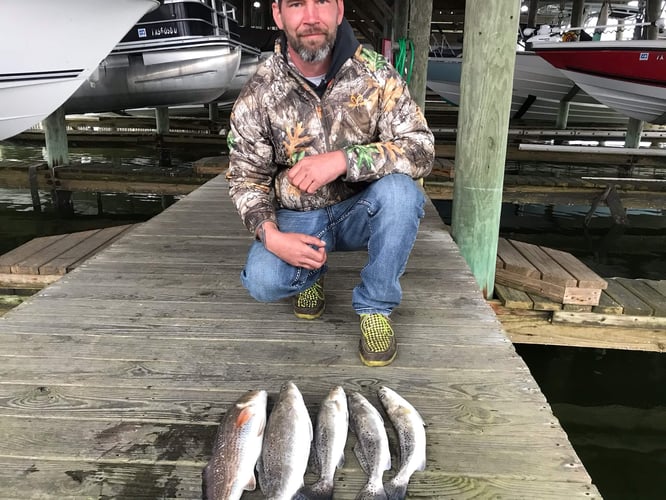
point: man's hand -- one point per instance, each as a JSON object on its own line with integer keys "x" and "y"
{"x": 313, "y": 172}
{"x": 297, "y": 249}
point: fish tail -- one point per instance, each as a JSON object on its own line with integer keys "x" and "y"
{"x": 395, "y": 490}
{"x": 321, "y": 490}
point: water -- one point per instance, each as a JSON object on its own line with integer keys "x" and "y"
{"x": 19, "y": 222}
{"x": 612, "y": 404}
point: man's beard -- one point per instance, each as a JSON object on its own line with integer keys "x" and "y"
{"x": 312, "y": 55}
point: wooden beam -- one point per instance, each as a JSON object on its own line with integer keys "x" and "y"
{"x": 483, "y": 124}
{"x": 420, "y": 16}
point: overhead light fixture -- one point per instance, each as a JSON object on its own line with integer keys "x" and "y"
{"x": 256, "y": 5}
{"x": 524, "y": 8}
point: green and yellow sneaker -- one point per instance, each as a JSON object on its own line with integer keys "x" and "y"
{"x": 310, "y": 303}
{"x": 378, "y": 346}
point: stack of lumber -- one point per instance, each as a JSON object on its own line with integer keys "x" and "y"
{"x": 42, "y": 261}
{"x": 552, "y": 278}
{"x": 537, "y": 278}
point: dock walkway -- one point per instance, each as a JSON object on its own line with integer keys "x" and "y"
{"x": 114, "y": 378}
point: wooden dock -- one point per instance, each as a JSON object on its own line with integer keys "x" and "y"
{"x": 631, "y": 315}
{"x": 43, "y": 260}
{"x": 547, "y": 296}
{"x": 114, "y": 378}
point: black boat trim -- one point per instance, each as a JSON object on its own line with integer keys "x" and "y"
{"x": 40, "y": 75}
{"x": 183, "y": 43}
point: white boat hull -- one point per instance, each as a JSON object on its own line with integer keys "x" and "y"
{"x": 185, "y": 72}
{"x": 48, "y": 48}
{"x": 642, "y": 102}
{"x": 537, "y": 82}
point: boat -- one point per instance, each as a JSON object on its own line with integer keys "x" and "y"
{"x": 184, "y": 52}
{"x": 538, "y": 90}
{"x": 628, "y": 76}
{"x": 48, "y": 48}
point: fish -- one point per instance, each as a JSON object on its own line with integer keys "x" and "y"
{"x": 237, "y": 447}
{"x": 411, "y": 438}
{"x": 330, "y": 437}
{"x": 286, "y": 448}
{"x": 372, "y": 447}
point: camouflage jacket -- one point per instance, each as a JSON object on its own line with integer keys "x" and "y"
{"x": 365, "y": 110}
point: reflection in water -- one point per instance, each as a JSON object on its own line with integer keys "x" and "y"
{"x": 612, "y": 405}
{"x": 19, "y": 222}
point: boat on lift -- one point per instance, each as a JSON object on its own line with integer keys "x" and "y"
{"x": 626, "y": 75}
{"x": 185, "y": 52}
{"x": 48, "y": 48}
{"x": 538, "y": 90}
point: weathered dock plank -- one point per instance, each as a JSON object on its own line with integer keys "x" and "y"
{"x": 166, "y": 480}
{"x": 42, "y": 261}
{"x": 114, "y": 378}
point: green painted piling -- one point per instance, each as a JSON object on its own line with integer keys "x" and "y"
{"x": 483, "y": 123}
{"x": 57, "y": 155}
{"x": 634, "y": 133}
{"x": 162, "y": 119}
{"x": 55, "y": 135}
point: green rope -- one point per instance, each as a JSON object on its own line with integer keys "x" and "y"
{"x": 401, "y": 59}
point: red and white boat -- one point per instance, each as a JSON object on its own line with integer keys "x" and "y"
{"x": 628, "y": 76}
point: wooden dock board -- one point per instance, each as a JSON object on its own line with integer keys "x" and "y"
{"x": 631, "y": 314}
{"x": 43, "y": 260}
{"x": 553, "y": 274}
{"x": 114, "y": 379}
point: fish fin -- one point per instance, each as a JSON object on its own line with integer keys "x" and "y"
{"x": 251, "y": 484}
{"x": 395, "y": 490}
{"x": 315, "y": 465}
{"x": 362, "y": 459}
{"x": 243, "y": 417}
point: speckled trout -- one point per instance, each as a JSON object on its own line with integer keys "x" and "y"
{"x": 411, "y": 438}
{"x": 237, "y": 447}
{"x": 330, "y": 438}
{"x": 286, "y": 448}
{"x": 372, "y": 447}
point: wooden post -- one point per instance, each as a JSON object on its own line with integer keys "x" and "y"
{"x": 57, "y": 154}
{"x": 55, "y": 134}
{"x": 401, "y": 20}
{"x": 213, "y": 112}
{"x": 420, "y": 17}
{"x": 652, "y": 12}
{"x": 577, "y": 11}
{"x": 563, "y": 115}
{"x": 483, "y": 124}
{"x": 533, "y": 7}
{"x": 162, "y": 119}
{"x": 635, "y": 127}
{"x": 634, "y": 133}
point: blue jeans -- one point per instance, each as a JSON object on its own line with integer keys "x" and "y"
{"x": 384, "y": 219}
